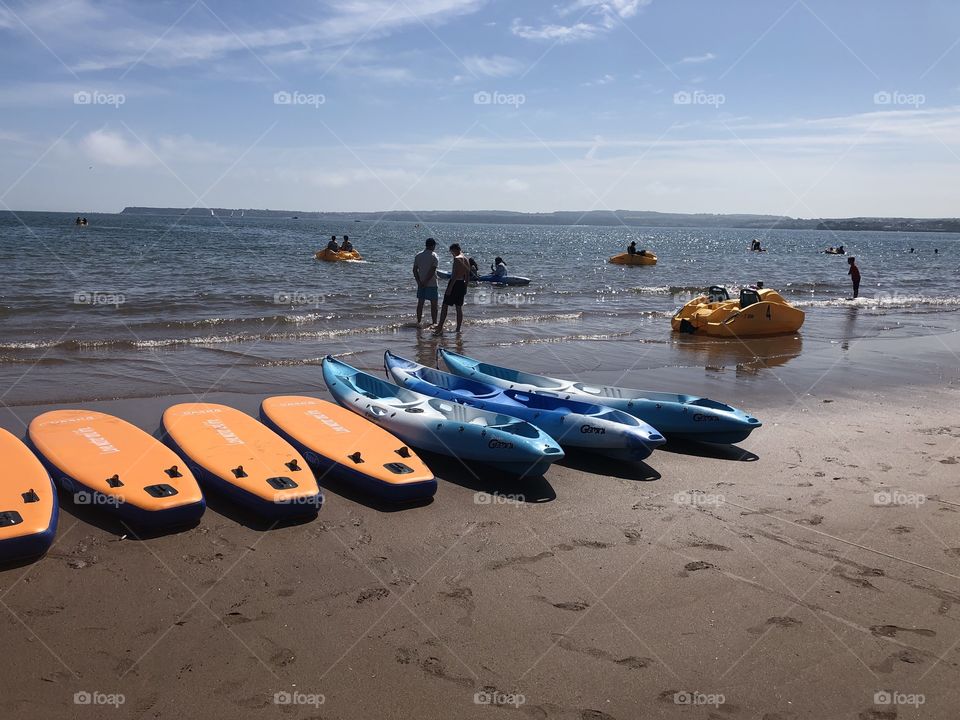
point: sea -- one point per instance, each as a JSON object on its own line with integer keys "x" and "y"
{"x": 152, "y": 305}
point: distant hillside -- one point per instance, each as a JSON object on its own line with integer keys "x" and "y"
{"x": 632, "y": 218}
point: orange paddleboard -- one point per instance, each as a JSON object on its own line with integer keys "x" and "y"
{"x": 338, "y": 441}
{"x": 241, "y": 457}
{"x": 103, "y": 460}
{"x": 28, "y": 502}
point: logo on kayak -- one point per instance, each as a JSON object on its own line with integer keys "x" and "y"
{"x": 701, "y": 418}
{"x": 592, "y": 430}
{"x": 495, "y": 444}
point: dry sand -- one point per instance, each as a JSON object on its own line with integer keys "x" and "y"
{"x": 771, "y": 581}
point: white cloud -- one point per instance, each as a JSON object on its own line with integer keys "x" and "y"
{"x": 604, "y": 80}
{"x": 697, "y": 59}
{"x": 557, "y": 33}
{"x": 604, "y": 15}
{"x": 493, "y": 66}
{"x": 123, "y": 38}
{"x": 110, "y": 148}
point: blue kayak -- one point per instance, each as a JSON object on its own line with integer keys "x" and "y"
{"x": 685, "y": 417}
{"x": 571, "y": 423}
{"x": 491, "y": 278}
{"x": 442, "y": 426}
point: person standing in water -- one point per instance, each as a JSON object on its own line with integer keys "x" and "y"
{"x": 854, "y": 273}
{"x": 456, "y": 287}
{"x": 425, "y": 273}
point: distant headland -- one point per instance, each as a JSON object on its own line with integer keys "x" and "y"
{"x": 631, "y": 218}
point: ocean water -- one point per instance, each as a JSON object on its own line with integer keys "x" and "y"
{"x": 138, "y": 306}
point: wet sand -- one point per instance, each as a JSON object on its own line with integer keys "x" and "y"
{"x": 796, "y": 576}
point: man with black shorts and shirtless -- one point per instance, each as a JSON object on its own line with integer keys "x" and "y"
{"x": 456, "y": 287}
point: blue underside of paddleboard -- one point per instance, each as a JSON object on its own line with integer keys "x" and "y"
{"x": 33, "y": 545}
{"x": 408, "y": 492}
{"x": 125, "y": 512}
{"x": 264, "y": 508}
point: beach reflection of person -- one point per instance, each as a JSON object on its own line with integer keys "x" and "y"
{"x": 425, "y": 273}
{"x": 456, "y": 288}
{"x": 854, "y": 273}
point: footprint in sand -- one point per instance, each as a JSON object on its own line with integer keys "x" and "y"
{"x": 949, "y": 461}
{"x": 904, "y": 656}
{"x": 871, "y": 714}
{"x": 782, "y": 621}
{"x": 892, "y": 630}
{"x": 371, "y": 594}
{"x": 595, "y": 715}
{"x": 952, "y": 552}
{"x": 901, "y": 530}
{"x": 697, "y": 565}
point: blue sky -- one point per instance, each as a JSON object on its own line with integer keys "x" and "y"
{"x": 798, "y": 107}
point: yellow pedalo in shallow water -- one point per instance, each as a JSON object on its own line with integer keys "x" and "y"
{"x": 638, "y": 258}
{"x": 757, "y": 312}
{"x": 331, "y": 256}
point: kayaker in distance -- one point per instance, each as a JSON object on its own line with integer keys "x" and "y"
{"x": 332, "y": 245}
{"x": 425, "y": 273}
{"x": 632, "y": 248}
{"x": 474, "y": 268}
{"x": 346, "y": 246}
{"x": 854, "y": 273}
{"x": 456, "y": 288}
{"x": 499, "y": 267}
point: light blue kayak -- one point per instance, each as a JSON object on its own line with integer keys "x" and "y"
{"x": 571, "y": 423}
{"x": 686, "y": 417}
{"x": 442, "y": 426}
{"x": 491, "y": 278}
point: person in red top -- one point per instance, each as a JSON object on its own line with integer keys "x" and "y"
{"x": 854, "y": 273}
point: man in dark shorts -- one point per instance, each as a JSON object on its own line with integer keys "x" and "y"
{"x": 854, "y": 273}
{"x": 456, "y": 287}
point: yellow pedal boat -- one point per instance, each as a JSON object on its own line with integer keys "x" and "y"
{"x": 757, "y": 312}
{"x": 646, "y": 258}
{"x": 331, "y": 256}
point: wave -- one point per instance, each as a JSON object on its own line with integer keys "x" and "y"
{"x": 234, "y": 338}
{"x": 884, "y": 301}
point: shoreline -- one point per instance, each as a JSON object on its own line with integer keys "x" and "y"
{"x": 759, "y": 371}
{"x": 797, "y": 575}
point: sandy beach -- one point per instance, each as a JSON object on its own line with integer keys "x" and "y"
{"x": 810, "y": 573}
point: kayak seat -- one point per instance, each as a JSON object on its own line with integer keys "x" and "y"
{"x": 748, "y": 297}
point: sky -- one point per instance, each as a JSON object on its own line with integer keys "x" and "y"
{"x": 806, "y": 108}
